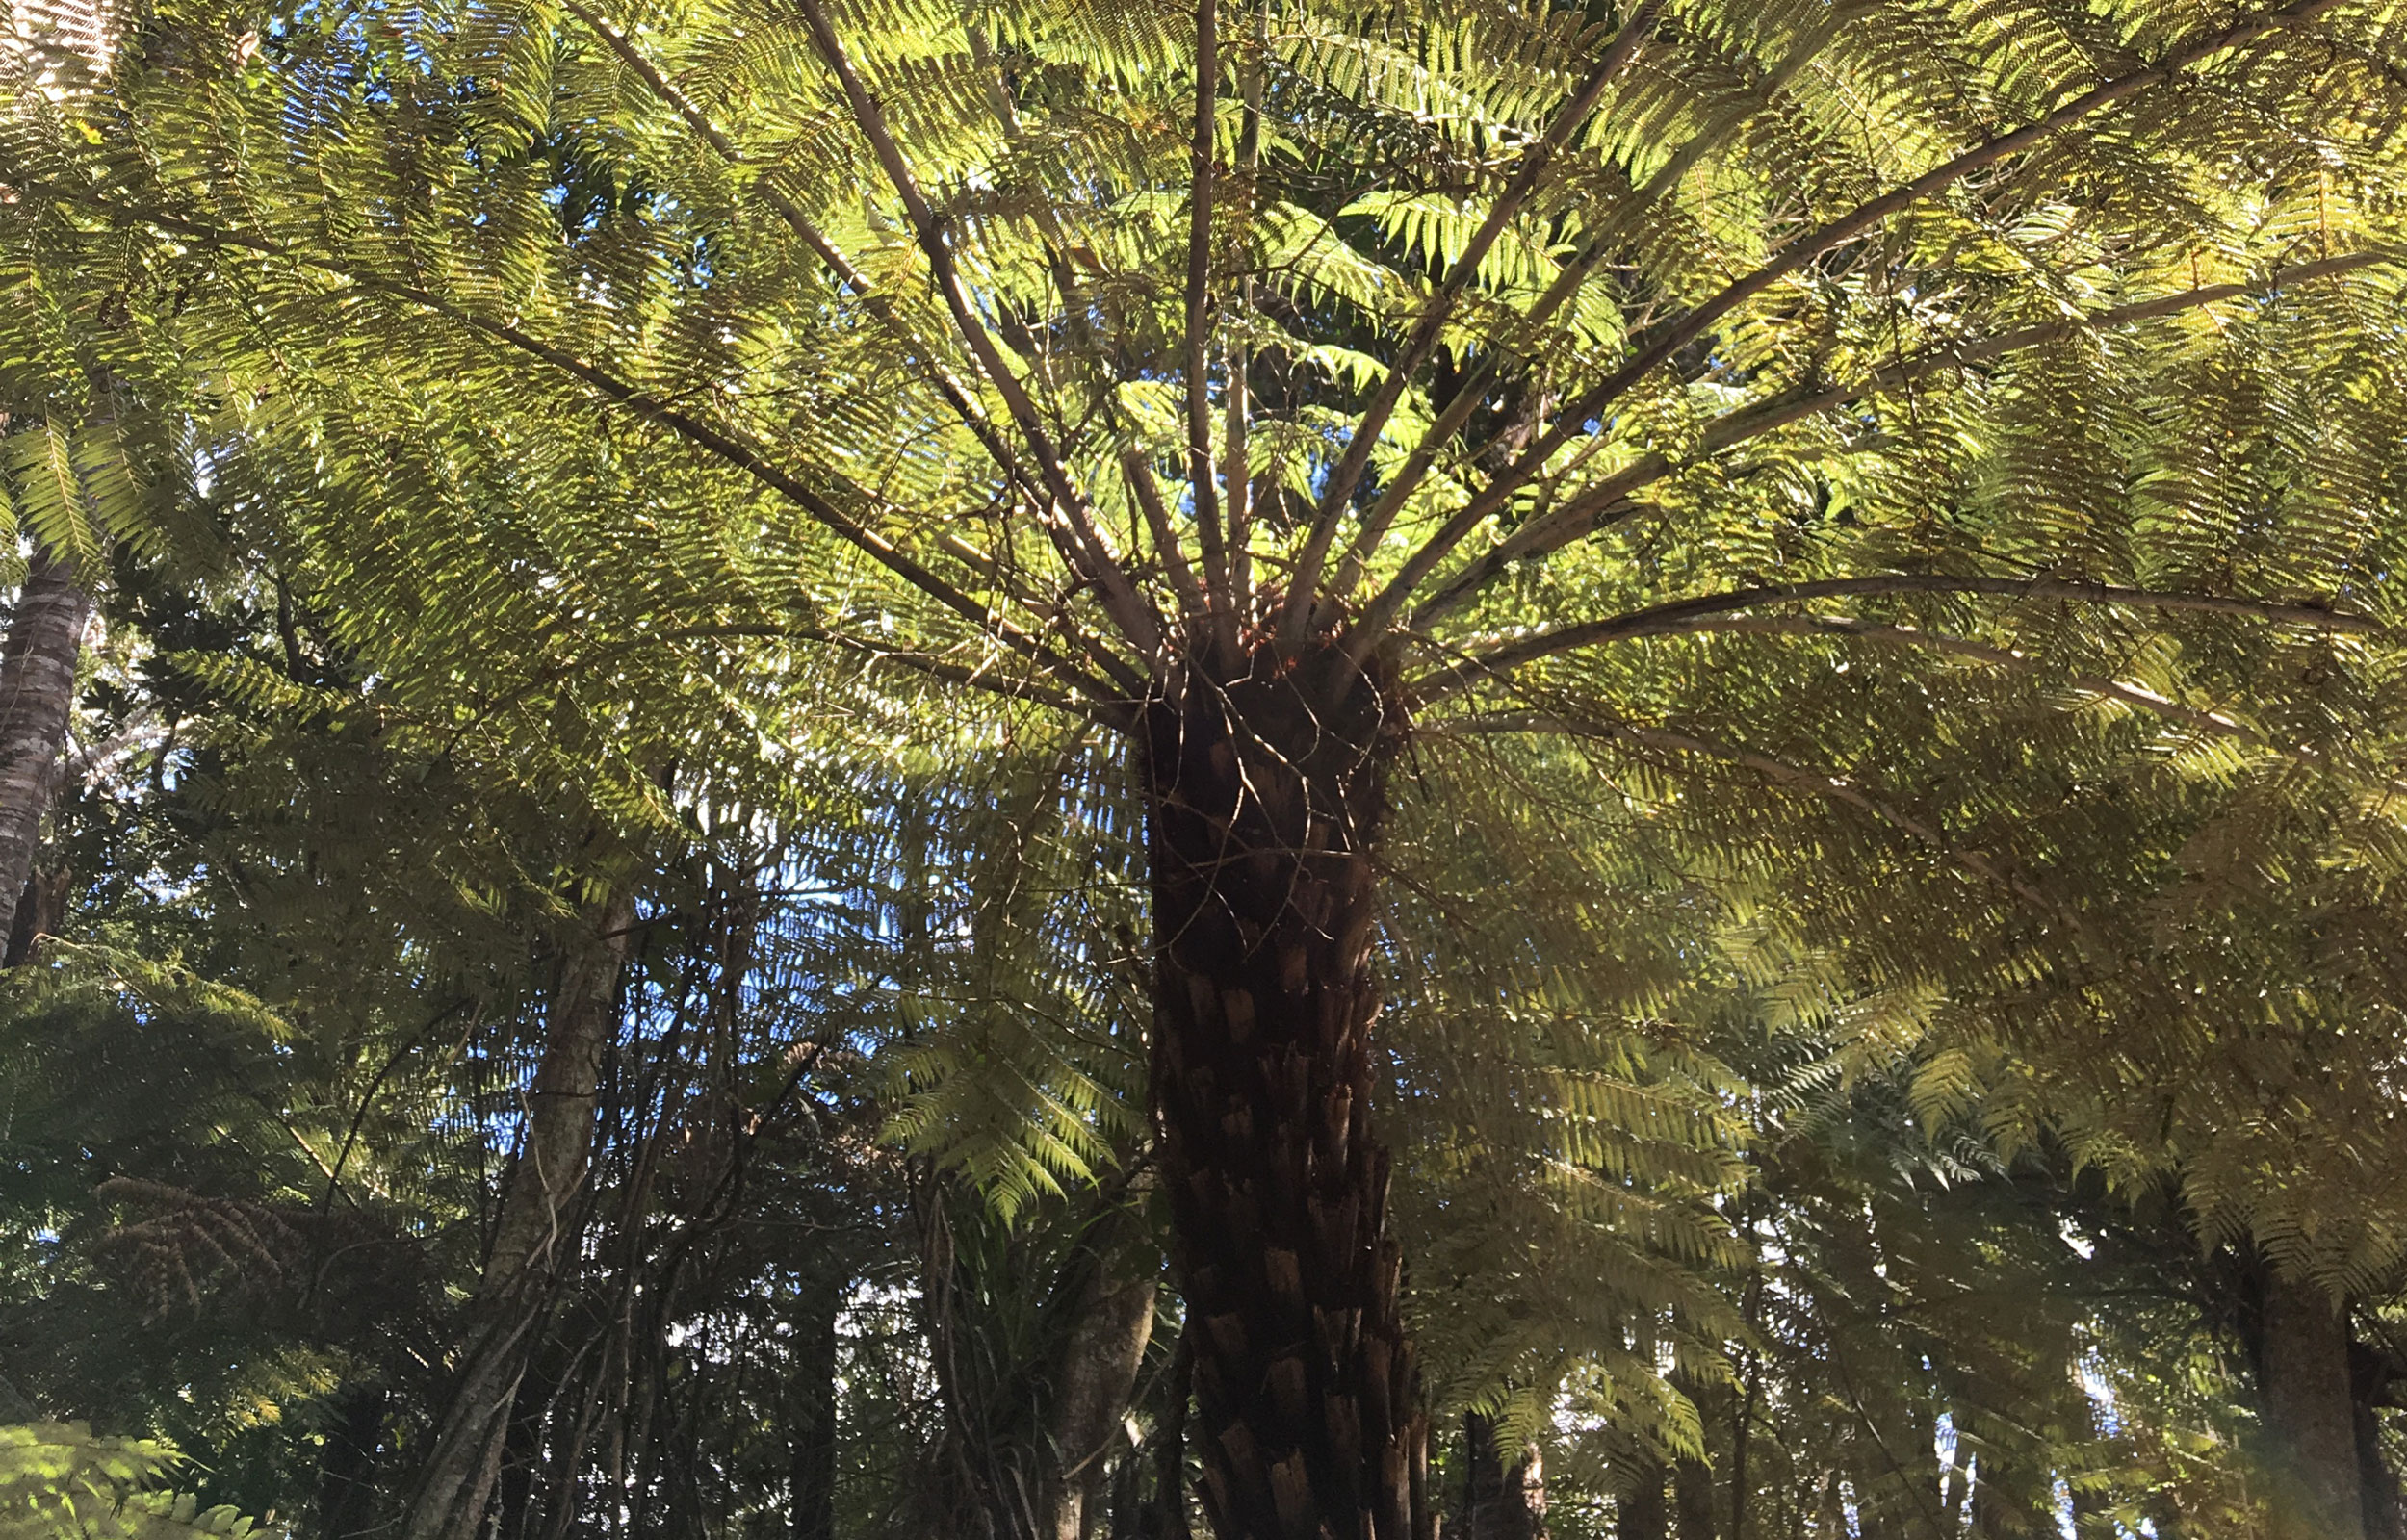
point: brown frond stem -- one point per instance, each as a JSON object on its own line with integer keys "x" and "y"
{"x": 1193, "y": 605}
{"x": 1853, "y": 627}
{"x": 1196, "y": 358}
{"x": 807, "y": 230}
{"x": 1416, "y": 467}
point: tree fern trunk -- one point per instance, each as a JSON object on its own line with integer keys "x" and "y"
{"x": 37, "y": 692}
{"x": 2310, "y": 1422}
{"x": 533, "y": 1239}
{"x": 1266, "y": 794}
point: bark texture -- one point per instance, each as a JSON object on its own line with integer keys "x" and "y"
{"x": 1099, "y": 1371}
{"x": 533, "y": 1238}
{"x": 1266, "y": 791}
{"x": 36, "y": 693}
{"x": 2382, "y": 1515}
{"x": 1500, "y": 1501}
{"x": 2310, "y": 1417}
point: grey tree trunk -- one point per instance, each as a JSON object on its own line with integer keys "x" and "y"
{"x": 36, "y": 693}
{"x": 532, "y": 1240}
{"x": 1170, "y": 1445}
{"x": 1099, "y": 1371}
{"x": 2310, "y": 1417}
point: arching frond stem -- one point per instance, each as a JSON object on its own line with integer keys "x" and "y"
{"x": 1782, "y": 773}
{"x": 1196, "y": 360}
{"x": 876, "y": 653}
{"x": 1664, "y": 619}
{"x": 1922, "y": 638}
{"x": 1587, "y": 510}
{"x": 1422, "y": 341}
{"x": 1071, "y": 520}
{"x": 721, "y": 446}
{"x": 880, "y": 308}
{"x": 1382, "y": 611}
{"x": 1148, "y": 493}
{"x": 1466, "y": 402}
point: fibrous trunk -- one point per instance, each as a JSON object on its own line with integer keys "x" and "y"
{"x": 533, "y": 1238}
{"x": 1265, "y": 798}
{"x": 37, "y": 692}
{"x": 2309, "y": 1419}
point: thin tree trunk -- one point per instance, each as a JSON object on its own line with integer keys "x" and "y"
{"x": 1693, "y": 1492}
{"x": 1640, "y": 1513}
{"x": 2310, "y": 1422}
{"x": 1170, "y": 1448}
{"x": 812, "y": 1435}
{"x": 1499, "y": 1502}
{"x": 347, "y": 1465}
{"x": 1098, "y": 1370}
{"x": 2383, "y": 1518}
{"x": 1266, "y": 793}
{"x": 37, "y": 694}
{"x": 533, "y": 1239}
{"x": 2165, "y": 1517}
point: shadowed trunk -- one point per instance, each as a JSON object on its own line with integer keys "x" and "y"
{"x": 1265, "y": 797}
{"x": 1170, "y": 1445}
{"x": 1640, "y": 1513}
{"x": 1499, "y": 1502}
{"x": 811, "y": 1449}
{"x": 2381, "y": 1487}
{"x": 36, "y": 693}
{"x": 1692, "y": 1494}
{"x": 1098, "y": 1370}
{"x": 2309, "y": 1419}
{"x": 347, "y": 1465}
{"x": 533, "y": 1239}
